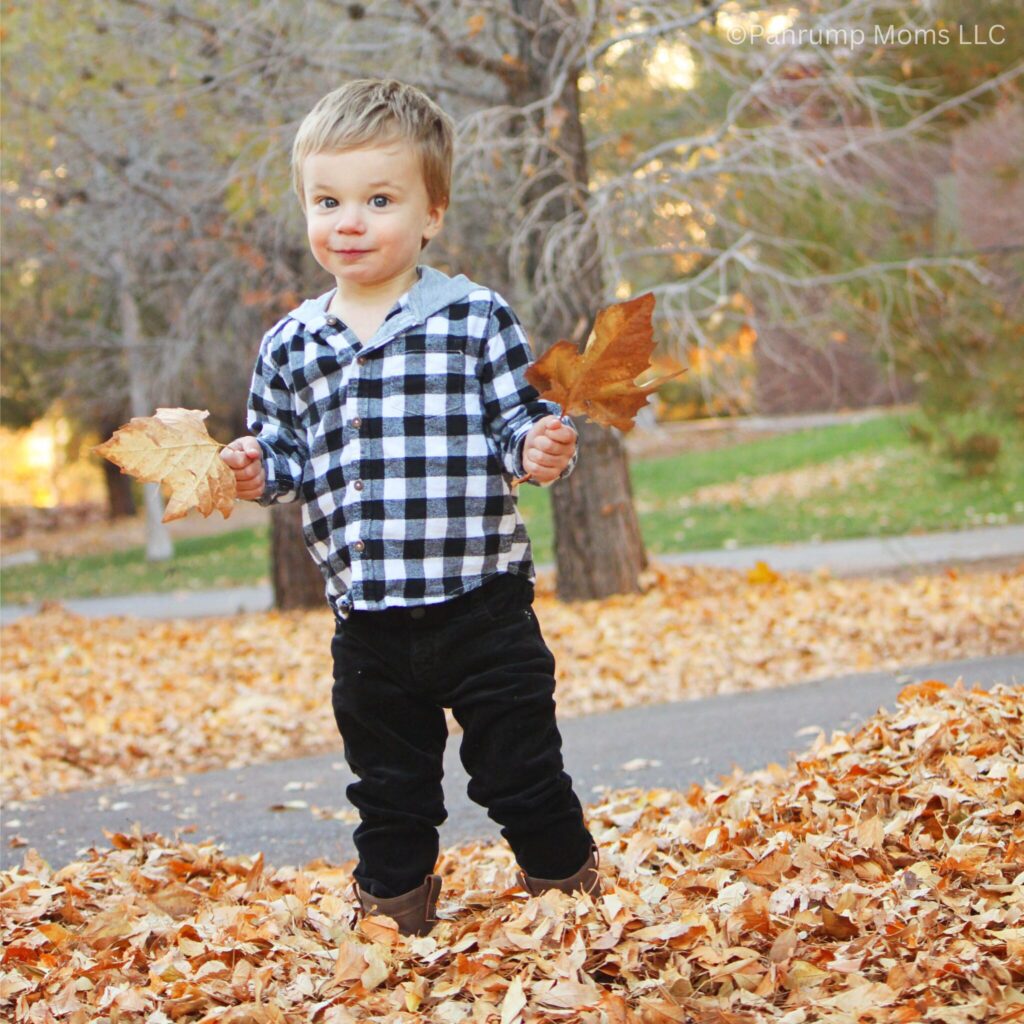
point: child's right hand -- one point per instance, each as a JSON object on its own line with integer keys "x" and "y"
{"x": 244, "y": 457}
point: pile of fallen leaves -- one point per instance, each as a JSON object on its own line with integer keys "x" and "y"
{"x": 93, "y": 701}
{"x": 879, "y": 878}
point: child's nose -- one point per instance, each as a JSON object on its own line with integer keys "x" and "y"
{"x": 349, "y": 221}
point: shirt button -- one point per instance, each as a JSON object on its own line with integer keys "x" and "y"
{"x": 332, "y": 321}
{"x": 357, "y": 423}
{"x": 359, "y": 546}
{"x": 361, "y": 360}
{"x": 358, "y": 485}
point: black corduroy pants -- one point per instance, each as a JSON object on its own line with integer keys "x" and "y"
{"x": 481, "y": 654}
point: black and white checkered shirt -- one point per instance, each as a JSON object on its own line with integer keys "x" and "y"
{"x": 401, "y": 448}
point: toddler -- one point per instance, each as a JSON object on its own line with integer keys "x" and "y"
{"x": 396, "y": 409}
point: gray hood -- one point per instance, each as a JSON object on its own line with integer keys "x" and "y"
{"x": 433, "y": 291}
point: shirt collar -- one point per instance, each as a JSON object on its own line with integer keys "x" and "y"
{"x": 432, "y": 291}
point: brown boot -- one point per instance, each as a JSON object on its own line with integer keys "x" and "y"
{"x": 413, "y": 911}
{"x": 587, "y": 879}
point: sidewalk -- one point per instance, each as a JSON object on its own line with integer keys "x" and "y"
{"x": 870, "y": 554}
{"x": 663, "y": 745}
{"x": 842, "y": 557}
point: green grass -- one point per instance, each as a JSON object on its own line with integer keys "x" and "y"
{"x": 918, "y": 490}
{"x": 226, "y": 560}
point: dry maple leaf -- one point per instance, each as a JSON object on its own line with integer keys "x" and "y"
{"x": 173, "y": 448}
{"x": 599, "y": 383}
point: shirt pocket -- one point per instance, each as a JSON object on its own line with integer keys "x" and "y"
{"x": 437, "y": 383}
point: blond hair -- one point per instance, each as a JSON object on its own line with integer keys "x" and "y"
{"x": 369, "y": 110}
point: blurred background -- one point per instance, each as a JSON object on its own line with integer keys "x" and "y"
{"x": 827, "y": 199}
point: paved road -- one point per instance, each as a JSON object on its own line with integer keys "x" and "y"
{"x": 843, "y": 557}
{"x": 670, "y": 745}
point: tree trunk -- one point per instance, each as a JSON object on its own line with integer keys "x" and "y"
{"x": 120, "y": 497}
{"x": 298, "y": 583}
{"x": 598, "y": 547}
{"x": 597, "y": 502}
{"x": 159, "y": 546}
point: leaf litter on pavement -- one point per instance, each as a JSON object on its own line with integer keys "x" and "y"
{"x": 88, "y": 702}
{"x": 878, "y": 878}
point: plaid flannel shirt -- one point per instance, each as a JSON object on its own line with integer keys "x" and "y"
{"x": 402, "y": 448}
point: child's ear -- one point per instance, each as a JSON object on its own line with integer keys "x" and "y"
{"x": 435, "y": 218}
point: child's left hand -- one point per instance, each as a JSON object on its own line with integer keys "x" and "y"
{"x": 548, "y": 448}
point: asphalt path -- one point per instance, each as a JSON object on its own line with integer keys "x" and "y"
{"x": 666, "y": 745}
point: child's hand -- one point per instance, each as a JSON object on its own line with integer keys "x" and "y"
{"x": 244, "y": 456}
{"x": 548, "y": 448}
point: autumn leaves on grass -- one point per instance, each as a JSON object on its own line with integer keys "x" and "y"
{"x": 173, "y": 447}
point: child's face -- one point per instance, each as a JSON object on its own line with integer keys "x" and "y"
{"x": 367, "y": 213}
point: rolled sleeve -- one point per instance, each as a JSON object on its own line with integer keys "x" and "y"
{"x": 511, "y": 403}
{"x": 274, "y": 423}
{"x": 576, "y": 451}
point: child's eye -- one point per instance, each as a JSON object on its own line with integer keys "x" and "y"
{"x": 379, "y": 202}
{"x": 326, "y": 202}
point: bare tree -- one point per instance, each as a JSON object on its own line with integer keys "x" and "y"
{"x": 808, "y": 111}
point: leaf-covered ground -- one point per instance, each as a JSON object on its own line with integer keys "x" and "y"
{"x": 879, "y": 878}
{"x": 94, "y": 701}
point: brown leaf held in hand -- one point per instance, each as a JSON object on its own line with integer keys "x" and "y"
{"x": 600, "y": 382}
{"x": 173, "y": 448}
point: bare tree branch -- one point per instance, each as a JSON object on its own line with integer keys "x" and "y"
{"x": 672, "y": 26}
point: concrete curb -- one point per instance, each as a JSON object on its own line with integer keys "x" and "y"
{"x": 842, "y": 557}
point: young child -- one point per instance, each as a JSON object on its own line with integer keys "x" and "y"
{"x": 395, "y": 407}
